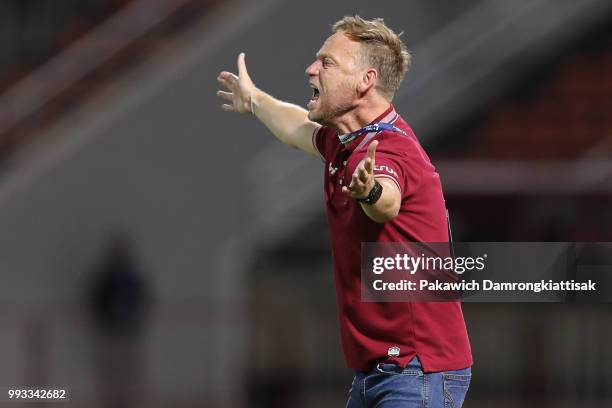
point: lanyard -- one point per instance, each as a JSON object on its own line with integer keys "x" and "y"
{"x": 375, "y": 127}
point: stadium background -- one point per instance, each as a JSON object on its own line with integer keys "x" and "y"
{"x": 158, "y": 252}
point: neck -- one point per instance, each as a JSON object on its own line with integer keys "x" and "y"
{"x": 359, "y": 117}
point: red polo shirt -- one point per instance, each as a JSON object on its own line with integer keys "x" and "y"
{"x": 434, "y": 331}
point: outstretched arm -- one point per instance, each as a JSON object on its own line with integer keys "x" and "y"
{"x": 288, "y": 122}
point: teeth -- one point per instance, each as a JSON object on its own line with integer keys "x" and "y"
{"x": 315, "y": 92}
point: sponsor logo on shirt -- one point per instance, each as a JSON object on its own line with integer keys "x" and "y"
{"x": 386, "y": 169}
{"x": 332, "y": 169}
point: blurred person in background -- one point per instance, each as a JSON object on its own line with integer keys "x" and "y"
{"x": 380, "y": 186}
{"x": 120, "y": 301}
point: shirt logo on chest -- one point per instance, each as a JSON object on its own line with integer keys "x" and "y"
{"x": 332, "y": 170}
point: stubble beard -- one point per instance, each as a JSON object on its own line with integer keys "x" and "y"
{"x": 328, "y": 114}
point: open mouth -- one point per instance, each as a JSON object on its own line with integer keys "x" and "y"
{"x": 315, "y": 93}
{"x": 314, "y": 98}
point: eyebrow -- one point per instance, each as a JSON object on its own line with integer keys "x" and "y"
{"x": 321, "y": 55}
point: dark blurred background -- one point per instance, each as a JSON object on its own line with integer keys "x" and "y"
{"x": 157, "y": 251}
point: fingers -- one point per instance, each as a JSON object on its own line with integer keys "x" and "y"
{"x": 228, "y": 80}
{"x": 240, "y": 86}
{"x": 362, "y": 174}
{"x": 355, "y": 188}
{"x": 372, "y": 151}
{"x": 228, "y": 96}
{"x": 362, "y": 179}
{"x": 369, "y": 167}
{"x": 356, "y": 184}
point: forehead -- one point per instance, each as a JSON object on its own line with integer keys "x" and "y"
{"x": 339, "y": 47}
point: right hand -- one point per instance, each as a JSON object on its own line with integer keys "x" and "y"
{"x": 241, "y": 88}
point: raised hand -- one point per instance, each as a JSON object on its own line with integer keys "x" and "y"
{"x": 363, "y": 177}
{"x": 241, "y": 88}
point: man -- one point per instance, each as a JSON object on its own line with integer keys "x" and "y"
{"x": 380, "y": 186}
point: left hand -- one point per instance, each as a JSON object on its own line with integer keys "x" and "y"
{"x": 363, "y": 177}
{"x": 241, "y": 88}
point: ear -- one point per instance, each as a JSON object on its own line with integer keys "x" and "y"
{"x": 367, "y": 81}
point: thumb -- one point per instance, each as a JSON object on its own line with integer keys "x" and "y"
{"x": 242, "y": 69}
{"x": 372, "y": 151}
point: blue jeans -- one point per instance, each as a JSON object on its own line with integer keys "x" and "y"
{"x": 390, "y": 386}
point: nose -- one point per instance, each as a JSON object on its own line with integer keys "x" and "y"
{"x": 312, "y": 69}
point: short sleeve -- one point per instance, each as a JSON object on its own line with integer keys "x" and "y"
{"x": 325, "y": 140}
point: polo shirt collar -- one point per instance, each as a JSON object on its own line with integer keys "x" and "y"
{"x": 387, "y": 116}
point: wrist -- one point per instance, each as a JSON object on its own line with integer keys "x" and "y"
{"x": 374, "y": 194}
{"x": 254, "y": 100}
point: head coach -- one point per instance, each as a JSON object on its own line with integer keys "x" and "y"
{"x": 379, "y": 186}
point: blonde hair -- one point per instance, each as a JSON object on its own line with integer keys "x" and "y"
{"x": 382, "y": 49}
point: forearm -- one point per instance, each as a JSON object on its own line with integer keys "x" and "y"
{"x": 288, "y": 122}
{"x": 388, "y": 205}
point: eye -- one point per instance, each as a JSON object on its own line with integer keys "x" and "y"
{"x": 326, "y": 62}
